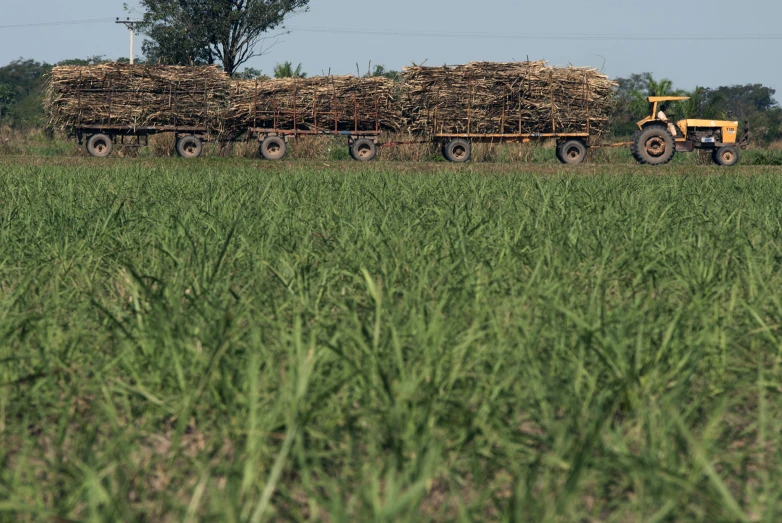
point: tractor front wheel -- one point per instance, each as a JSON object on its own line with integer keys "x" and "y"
{"x": 727, "y": 156}
{"x": 654, "y": 145}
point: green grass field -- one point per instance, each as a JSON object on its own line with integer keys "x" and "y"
{"x": 233, "y": 340}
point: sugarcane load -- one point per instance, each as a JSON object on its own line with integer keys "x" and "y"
{"x": 452, "y": 107}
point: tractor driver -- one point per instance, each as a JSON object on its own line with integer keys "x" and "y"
{"x": 664, "y": 118}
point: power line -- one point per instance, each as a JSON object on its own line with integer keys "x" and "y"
{"x": 69, "y": 22}
{"x": 532, "y": 36}
{"x": 472, "y": 35}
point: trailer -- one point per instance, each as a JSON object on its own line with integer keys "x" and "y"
{"x": 278, "y": 118}
{"x": 571, "y": 147}
{"x": 117, "y": 105}
{"x": 286, "y": 124}
{"x": 120, "y": 105}
{"x": 457, "y": 106}
{"x": 100, "y": 140}
{"x": 100, "y": 137}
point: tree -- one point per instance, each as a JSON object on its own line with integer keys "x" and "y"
{"x": 754, "y": 103}
{"x": 286, "y": 70}
{"x": 210, "y": 31}
{"x": 664, "y": 87}
{"x": 25, "y": 75}
{"x": 91, "y": 60}
{"x": 380, "y": 70}
{"x": 7, "y": 98}
{"x": 744, "y": 100}
{"x": 630, "y": 102}
{"x": 23, "y": 80}
{"x": 251, "y": 73}
{"x": 630, "y": 99}
{"x": 701, "y": 105}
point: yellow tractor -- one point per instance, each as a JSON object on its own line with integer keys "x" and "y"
{"x": 657, "y": 140}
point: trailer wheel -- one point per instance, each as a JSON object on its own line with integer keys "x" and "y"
{"x": 727, "y": 156}
{"x": 100, "y": 145}
{"x": 458, "y": 150}
{"x": 654, "y": 145}
{"x": 189, "y": 147}
{"x": 572, "y": 152}
{"x": 363, "y": 150}
{"x": 274, "y": 148}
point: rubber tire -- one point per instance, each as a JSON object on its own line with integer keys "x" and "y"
{"x": 100, "y": 145}
{"x": 639, "y": 145}
{"x": 363, "y": 150}
{"x": 719, "y": 156}
{"x": 189, "y": 147}
{"x": 274, "y": 148}
{"x": 633, "y": 140}
{"x": 566, "y": 149}
{"x": 457, "y": 150}
{"x": 558, "y": 153}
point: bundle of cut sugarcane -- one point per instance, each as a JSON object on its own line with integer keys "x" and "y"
{"x": 323, "y": 103}
{"x": 134, "y": 96}
{"x": 506, "y": 98}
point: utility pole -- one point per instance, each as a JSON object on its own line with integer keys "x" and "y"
{"x": 131, "y": 25}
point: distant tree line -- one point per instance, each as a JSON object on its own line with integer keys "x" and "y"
{"x": 23, "y": 80}
{"x": 21, "y": 83}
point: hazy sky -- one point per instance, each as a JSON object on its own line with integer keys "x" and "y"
{"x": 682, "y": 41}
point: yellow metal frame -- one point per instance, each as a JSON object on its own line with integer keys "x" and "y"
{"x": 655, "y": 101}
{"x": 729, "y": 129}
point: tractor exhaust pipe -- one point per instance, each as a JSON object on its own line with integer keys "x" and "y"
{"x": 744, "y": 141}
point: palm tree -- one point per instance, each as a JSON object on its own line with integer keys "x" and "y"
{"x": 286, "y": 70}
{"x": 703, "y": 104}
{"x": 662, "y": 88}
{"x": 638, "y": 104}
{"x": 677, "y": 110}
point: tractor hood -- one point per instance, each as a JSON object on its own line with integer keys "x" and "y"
{"x": 695, "y": 122}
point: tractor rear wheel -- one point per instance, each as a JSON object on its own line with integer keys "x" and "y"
{"x": 654, "y": 145}
{"x": 633, "y": 141}
{"x": 572, "y": 152}
{"x": 727, "y": 156}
